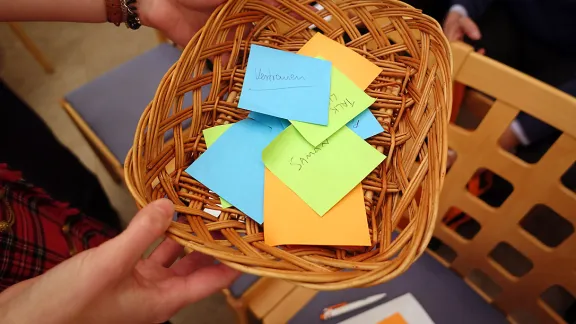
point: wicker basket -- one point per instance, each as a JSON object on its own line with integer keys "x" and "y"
{"x": 413, "y": 104}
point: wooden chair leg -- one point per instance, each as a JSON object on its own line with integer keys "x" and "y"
{"x": 237, "y": 306}
{"x": 31, "y": 47}
{"x": 112, "y": 165}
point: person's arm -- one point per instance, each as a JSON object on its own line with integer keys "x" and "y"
{"x": 179, "y": 20}
{"x": 112, "y": 284}
{"x": 53, "y": 10}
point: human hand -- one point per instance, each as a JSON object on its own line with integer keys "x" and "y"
{"x": 457, "y": 25}
{"x": 179, "y": 20}
{"x": 112, "y": 284}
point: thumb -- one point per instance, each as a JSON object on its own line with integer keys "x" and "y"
{"x": 149, "y": 224}
{"x": 470, "y": 28}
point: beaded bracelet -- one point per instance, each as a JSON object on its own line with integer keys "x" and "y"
{"x": 118, "y": 11}
{"x": 131, "y": 19}
{"x": 114, "y": 12}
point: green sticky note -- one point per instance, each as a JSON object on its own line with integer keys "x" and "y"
{"x": 210, "y": 136}
{"x": 346, "y": 102}
{"x": 324, "y": 174}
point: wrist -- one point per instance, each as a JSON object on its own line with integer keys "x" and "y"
{"x": 114, "y": 13}
{"x": 123, "y": 11}
{"x": 93, "y": 11}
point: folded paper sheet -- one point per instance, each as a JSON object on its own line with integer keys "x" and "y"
{"x": 365, "y": 125}
{"x": 210, "y": 136}
{"x": 233, "y": 167}
{"x": 324, "y": 174}
{"x": 346, "y": 102}
{"x": 289, "y": 220}
{"x": 353, "y": 65}
{"x": 286, "y": 85}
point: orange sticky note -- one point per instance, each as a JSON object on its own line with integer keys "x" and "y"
{"x": 353, "y": 65}
{"x": 289, "y": 220}
{"x": 396, "y": 318}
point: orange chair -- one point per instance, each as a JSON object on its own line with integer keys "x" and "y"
{"x": 509, "y": 262}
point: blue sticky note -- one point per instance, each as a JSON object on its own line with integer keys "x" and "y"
{"x": 365, "y": 125}
{"x": 286, "y": 85}
{"x": 233, "y": 167}
{"x": 269, "y": 120}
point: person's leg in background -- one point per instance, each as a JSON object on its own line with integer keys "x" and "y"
{"x": 499, "y": 35}
{"x": 28, "y": 145}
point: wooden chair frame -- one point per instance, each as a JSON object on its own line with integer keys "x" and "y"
{"x": 31, "y": 47}
{"x": 533, "y": 184}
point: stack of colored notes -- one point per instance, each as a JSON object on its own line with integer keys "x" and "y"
{"x": 296, "y": 163}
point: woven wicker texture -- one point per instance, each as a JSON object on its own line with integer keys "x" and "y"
{"x": 413, "y": 104}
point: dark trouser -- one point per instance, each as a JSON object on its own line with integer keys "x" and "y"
{"x": 28, "y": 145}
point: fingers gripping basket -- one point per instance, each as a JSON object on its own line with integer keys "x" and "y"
{"x": 413, "y": 104}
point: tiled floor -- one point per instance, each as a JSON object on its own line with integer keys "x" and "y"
{"x": 81, "y": 52}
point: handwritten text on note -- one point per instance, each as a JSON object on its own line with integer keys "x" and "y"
{"x": 346, "y": 102}
{"x": 286, "y": 85}
{"x": 365, "y": 125}
{"x": 301, "y": 161}
{"x": 338, "y": 105}
{"x": 321, "y": 175}
{"x": 271, "y": 77}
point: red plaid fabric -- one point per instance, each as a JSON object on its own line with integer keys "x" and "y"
{"x": 37, "y": 233}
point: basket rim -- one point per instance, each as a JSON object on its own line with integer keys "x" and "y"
{"x": 418, "y": 232}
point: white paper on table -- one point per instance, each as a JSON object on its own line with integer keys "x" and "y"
{"x": 406, "y": 305}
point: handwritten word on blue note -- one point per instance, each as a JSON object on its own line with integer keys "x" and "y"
{"x": 233, "y": 168}
{"x": 286, "y": 85}
{"x": 365, "y": 125}
{"x": 269, "y": 120}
